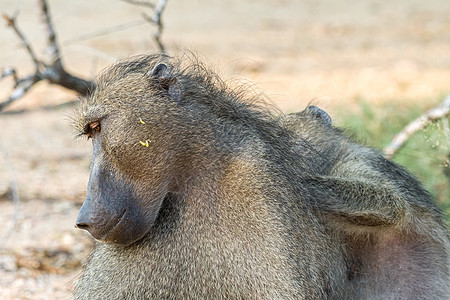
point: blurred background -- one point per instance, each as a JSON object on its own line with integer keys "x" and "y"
{"x": 373, "y": 65}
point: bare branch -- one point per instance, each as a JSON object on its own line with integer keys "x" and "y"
{"x": 421, "y": 122}
{"x": 157, "y": 14}
{"x": 9, "y": 72}
{"x": 11, "y": 22}
{"x": 54, "y": 75}
{"x": 22, "y": 87}
{"x": 154, "y": 19}
{"x": 140, "y": 3}
{"x": 54, "y": 71}
{"x": 53, "y": 47}
{"x": 58, "y": 75}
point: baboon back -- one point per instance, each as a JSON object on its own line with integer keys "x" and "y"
{"x": 394, "y": 233}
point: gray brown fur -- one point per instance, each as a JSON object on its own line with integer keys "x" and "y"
{"x": 230, "y": 202}
{"x": 393, "y": 231}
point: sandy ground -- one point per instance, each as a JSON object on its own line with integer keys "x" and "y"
{"x": 332, "y": 52}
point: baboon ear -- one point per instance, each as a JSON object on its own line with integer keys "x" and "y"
{"x": 166, "y": 80}
{"x": 320, "y": 114}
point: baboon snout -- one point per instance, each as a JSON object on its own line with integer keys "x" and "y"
{"x": 95, "y": 219}
{"x": 98, "y": 227}
{"x": 83, "y": 221}
{"x": 120, "y": 225}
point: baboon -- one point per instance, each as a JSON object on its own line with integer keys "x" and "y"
{"x": 392, "y": 230}
{"x": 198, "y": 192}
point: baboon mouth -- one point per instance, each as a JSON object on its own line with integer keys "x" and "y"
{"x": 110, "y": 232}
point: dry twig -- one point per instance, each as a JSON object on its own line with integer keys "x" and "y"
{"x": 421, "y": 122}
{"x": 140, "y": 3}
{"x": 53, "y": 71}
{"x": 155, "y": 19}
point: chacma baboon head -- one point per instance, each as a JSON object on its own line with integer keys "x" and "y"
{"x": 131, "y": 120}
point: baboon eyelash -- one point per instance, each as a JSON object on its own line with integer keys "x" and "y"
{"x": 92, "y": 128}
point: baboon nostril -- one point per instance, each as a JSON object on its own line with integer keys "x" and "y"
{"x": 82, "y": 226}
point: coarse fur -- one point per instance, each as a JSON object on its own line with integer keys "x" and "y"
{"x": 393, "y": 231}
{"x": 196, "y": 193}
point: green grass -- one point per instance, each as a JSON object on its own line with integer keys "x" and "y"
{"x": 426, "y": 154}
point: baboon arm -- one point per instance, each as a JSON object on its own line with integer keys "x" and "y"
{"x": 399, "y": 249}
{"x": 357, "y": 202}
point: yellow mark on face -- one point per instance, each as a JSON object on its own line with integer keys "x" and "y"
{"x": 141, "y": 121}
{"x": 146, "y": 143}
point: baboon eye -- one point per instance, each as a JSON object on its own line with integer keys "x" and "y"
{"x": 92, "y": 128}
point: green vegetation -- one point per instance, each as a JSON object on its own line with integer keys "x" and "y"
{"x": 426, "y": 154}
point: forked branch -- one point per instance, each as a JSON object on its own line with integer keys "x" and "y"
{"x": 156, "y": 18}
{"x": 53, "y": 70}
